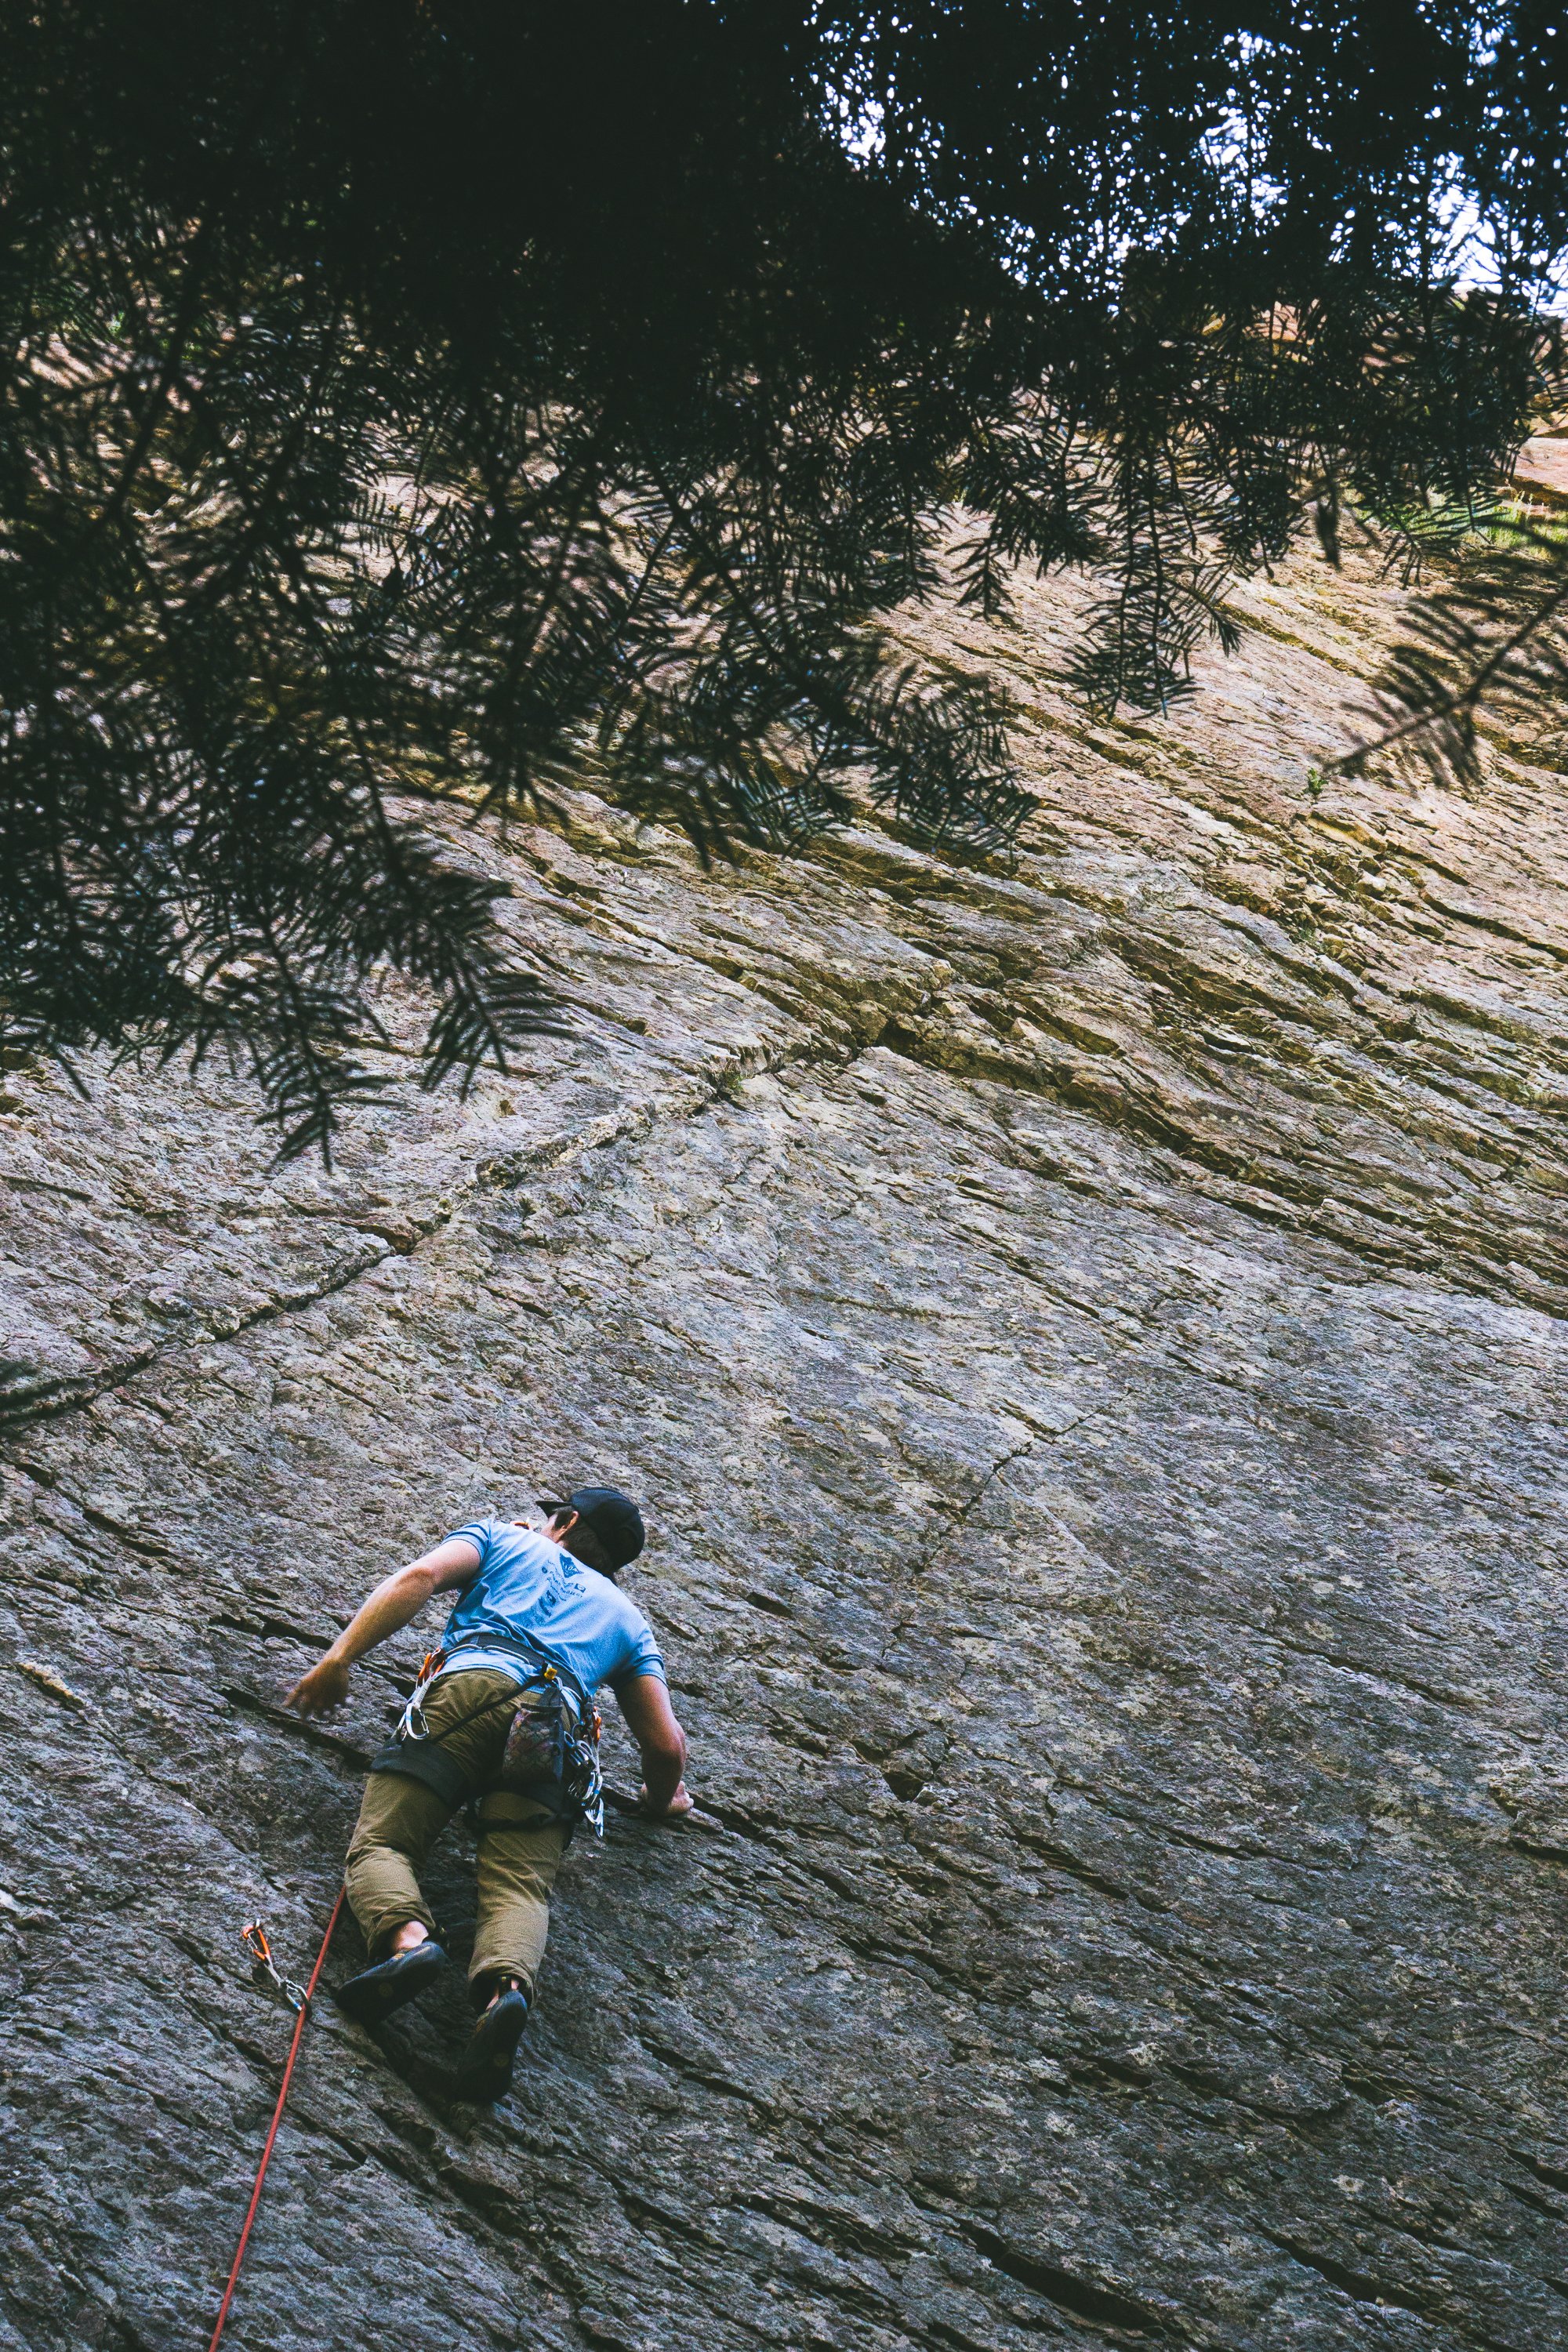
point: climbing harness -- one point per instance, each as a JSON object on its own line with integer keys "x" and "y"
{"x": 551, "y": 1752}
{"x": 256, "y": 1945}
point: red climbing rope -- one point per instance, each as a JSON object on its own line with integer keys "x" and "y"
{"x": 301, "y": 2015}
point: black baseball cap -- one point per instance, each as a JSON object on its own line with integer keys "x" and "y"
{"x": 614, "y": 1517}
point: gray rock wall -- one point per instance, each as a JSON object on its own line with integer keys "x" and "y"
{"x": 1090, "y": 1333}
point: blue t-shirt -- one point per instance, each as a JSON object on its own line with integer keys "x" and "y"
{"x": 526, "y": 1584}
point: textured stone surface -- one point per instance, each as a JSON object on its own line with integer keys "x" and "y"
{"x": 1090, "y": 1331}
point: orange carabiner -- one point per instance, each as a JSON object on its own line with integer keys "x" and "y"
{"x": 254, "y": 1937}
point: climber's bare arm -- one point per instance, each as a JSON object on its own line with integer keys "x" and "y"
{"x": 650, "y": 1719}
{"x": 396, "y": 1600}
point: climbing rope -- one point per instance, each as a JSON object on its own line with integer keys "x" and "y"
{"x": 256, "y": 1944}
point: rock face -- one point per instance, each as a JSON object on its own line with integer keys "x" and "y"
{"x": 1090, "y": 1331}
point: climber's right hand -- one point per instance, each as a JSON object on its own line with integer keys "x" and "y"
{"x": 324, "y": 1687}
{"x": 680, "y": 1803}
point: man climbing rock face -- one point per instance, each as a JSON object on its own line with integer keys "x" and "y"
{"x": 505, "y": 1718}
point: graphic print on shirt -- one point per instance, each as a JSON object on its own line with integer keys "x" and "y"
{"x": 559, "y": 1577}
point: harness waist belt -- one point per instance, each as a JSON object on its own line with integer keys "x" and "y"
{"x": 521, "y": 1645}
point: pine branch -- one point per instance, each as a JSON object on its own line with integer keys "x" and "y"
{"x": 1491, "y": 636}
{"x": 354, "y": 452}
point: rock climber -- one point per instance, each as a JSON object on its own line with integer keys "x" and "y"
{"x": 538, "y": 1626}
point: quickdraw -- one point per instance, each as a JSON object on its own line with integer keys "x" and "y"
{"x": 253, "y": 1936}
{"x": 411, "y": 1722}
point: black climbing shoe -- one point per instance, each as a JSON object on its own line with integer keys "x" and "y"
{"x": 486, "y": 2069}
{"x": 375, "y": 1993}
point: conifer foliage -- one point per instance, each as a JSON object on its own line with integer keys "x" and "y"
{"x": 435, "y": 399}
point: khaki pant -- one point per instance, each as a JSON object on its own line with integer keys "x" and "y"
{"x": 469, "y": 1715}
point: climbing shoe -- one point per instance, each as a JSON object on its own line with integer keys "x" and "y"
{"x": 484, "y": 2072}
{"x": 375, "y": 1993}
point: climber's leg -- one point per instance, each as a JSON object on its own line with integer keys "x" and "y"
{"x": 399, "y": 1822}
{"x": 520, "y": 1851}
{"x": 520, "y": 1847}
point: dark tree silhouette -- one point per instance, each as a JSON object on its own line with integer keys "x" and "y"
{"x": 444, "y": 398}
